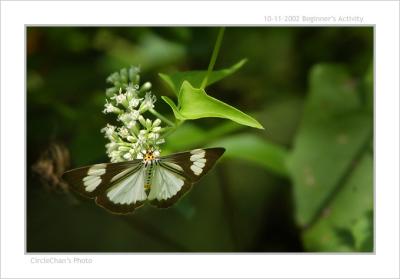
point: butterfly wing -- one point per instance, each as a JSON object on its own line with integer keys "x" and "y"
{"x": 175, "y": 174}
{"x": 168, "y": 185}
{"x": 118, "y": 187}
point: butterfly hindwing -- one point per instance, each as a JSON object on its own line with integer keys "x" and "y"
{"x": 126, "y": 192}
{"x": 168, "y": 185}
{"x": 176, "y": 173}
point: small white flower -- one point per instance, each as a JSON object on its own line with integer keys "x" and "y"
{"x": 131, "y": 124}
{"x": 148, "y": 102}
{"x": 111, "y": 146}
{"x": 153, "y": 136}
{"x": 129, "y": 117}
{"x": 110, "y": 108}
{"x": 141, "y": 139}
{"x": 156, "y": 153}
{"x": 135, "y": 114}
{"x": 115, "y": 156}
{"x": 130, "y": 90}
{"x": 124, "y": 117}
{"x": 108, "y": 130}
{"x": 120, "y": 98}
{"x": 139, "y": 156}
{"x": 123, "y": 132}
{"x": 142, "y": 133}
{"x": 128, "y": 156}
{"x": 134, "y": 102}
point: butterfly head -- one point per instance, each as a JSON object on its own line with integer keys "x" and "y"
{"x": 150, "y": 156}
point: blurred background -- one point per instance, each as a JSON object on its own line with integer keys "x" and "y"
{"x": 304, "y": 184}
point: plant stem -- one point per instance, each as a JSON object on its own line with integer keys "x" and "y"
{"x": 162, "y": 118}
{"x": 213, "y": 57}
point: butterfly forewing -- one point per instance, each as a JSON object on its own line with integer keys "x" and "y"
{"x": 195, "y": 163}
{"x": 92, "y": 180}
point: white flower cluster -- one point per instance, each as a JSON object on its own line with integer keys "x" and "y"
{"x": 137, "y": 134}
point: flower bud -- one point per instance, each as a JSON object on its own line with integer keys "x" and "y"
{"x": 123, "y": 148}
{"x": 145, "y": 87}
{"x": 142, "y": 120}
{"x": 156, "y": 122}
{"x": 131, "y": 139}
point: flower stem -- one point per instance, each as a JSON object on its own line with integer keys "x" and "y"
{"x": 213, "y": 57}
{"x": 170, "y": 130}
{"x": 162, "y": 118}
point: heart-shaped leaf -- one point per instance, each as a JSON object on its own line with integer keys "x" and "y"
{"x": 195, "y": 103}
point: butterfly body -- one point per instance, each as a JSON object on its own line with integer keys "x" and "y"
{"x": 149, "y": 162}
{"x": 122, "y": 187}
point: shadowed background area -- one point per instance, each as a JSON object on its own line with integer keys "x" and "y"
{"x": 305, "y": 183}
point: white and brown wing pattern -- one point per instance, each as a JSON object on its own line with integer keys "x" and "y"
{"x": 118, "y": 187}
{"x": 175, "y": 174}
{"x": 122, "y": 187}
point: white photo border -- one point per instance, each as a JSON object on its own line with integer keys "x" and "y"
{"x": 17, "y": 15}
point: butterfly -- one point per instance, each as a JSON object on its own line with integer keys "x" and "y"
{"x": 124, "y": 186}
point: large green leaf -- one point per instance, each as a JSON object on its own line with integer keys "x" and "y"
{"x": 191, "y": 136}
{"x": 334, "y": 131}
{"x": 195, "y": 78}
{"x": 346, "y": 224}
{"x": 256, "y": 150}
{"x": 195, "y": 103}
{"x": 368, "y": 87}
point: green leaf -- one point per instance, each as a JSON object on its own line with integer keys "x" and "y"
{"x": 334, "y": 131}
{"x": 346, "y": 224}
{"x": 175, "y": 110}
{"x": 195, "y": 78}
{"x": 191, "y": 136}
{"x": 195, "y": 104}
{"x": 256, "y": 150}
{"x": 369, "y": 88}
{"x": 363, "y": 231}
{"x": 185, "y": 137}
